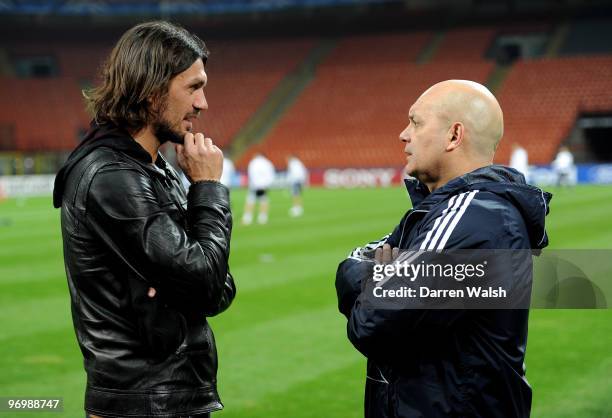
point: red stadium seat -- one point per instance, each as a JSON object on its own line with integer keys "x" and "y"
{"x": 542, "y": 99}
{"x": 357, "y": 105}
{"x": 241, "y": 76}
{"x": 47, "y": 113}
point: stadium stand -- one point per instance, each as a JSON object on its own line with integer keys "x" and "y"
{"x": 358, "y": 103}
{"x": 47, "y": 114}
{"x": 351, "y": 113}
{"x": 72, "y": 59}
{"x": 82, "y": 62}
{"x": 542, "y": 99}
{"x": 378, "y": 49}
{"x": 465, "y": 44}
{"x": 589, "y": 36}
{"x": 241, "y": 75}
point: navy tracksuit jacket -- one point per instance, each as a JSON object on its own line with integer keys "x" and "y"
{"x": 448, "y": 363}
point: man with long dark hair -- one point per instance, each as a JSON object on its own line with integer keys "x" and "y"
{"x": 147, "y": 263}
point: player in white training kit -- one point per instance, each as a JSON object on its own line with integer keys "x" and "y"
{"x": 519, "y": 160}
{"x": 261, "y": 176}
{"x": 564, "y": 167}
{"x": 297, "y": 175}
{"x": 228, "y": 172}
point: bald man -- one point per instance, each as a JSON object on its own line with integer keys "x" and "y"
{"x": 440, "y": 362}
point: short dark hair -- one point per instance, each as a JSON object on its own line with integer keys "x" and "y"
{"x": 140, "y": 68}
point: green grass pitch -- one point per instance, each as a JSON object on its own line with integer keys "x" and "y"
{"x": 282, "y": 345}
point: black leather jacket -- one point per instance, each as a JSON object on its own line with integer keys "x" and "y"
{"x": 128, "y": 225}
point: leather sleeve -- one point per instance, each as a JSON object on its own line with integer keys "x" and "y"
{"x": 193, "y": 267}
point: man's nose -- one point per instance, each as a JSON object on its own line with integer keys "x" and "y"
{"x": 200, "y": 102}
{"x": 405, "y": 136}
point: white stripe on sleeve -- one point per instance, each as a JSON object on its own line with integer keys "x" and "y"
{"x": 453, "y": 224}
{"x": 445, "y": 218}
{"x": 437, "y": 222}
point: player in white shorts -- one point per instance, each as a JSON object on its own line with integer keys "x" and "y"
{"x": 261, "y": 176}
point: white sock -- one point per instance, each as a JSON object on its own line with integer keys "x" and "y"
{"x": 247, "y": 218}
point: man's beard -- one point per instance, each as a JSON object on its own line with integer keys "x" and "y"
{"x": 164, "y": 132}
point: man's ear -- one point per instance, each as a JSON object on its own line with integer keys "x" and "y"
{"x": 456, "y": 134}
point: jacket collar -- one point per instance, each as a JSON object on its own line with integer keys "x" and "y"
{"x": 423, "y": 199}
{"x": 506, "y": 183}
{"x": 104, "y": 135}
